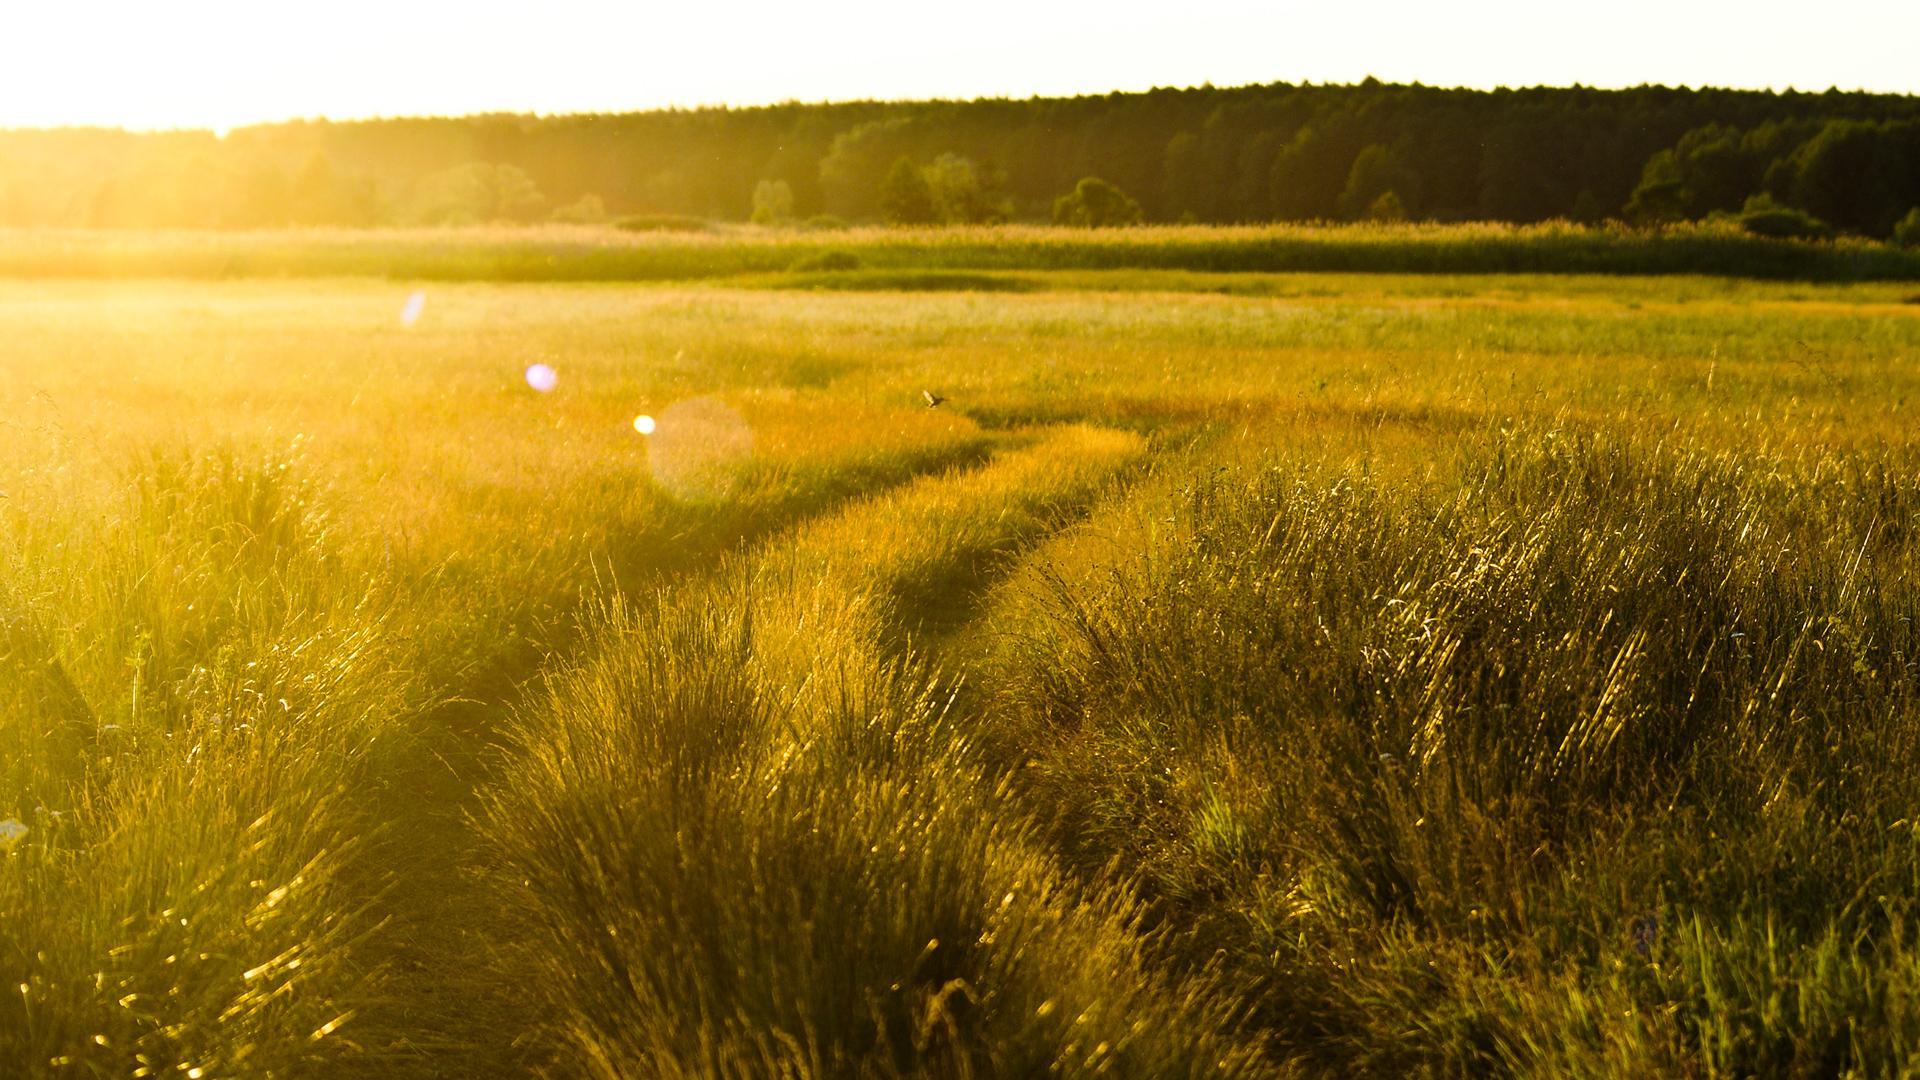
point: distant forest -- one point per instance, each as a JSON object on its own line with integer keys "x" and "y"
{"x": 1843, "y": 161}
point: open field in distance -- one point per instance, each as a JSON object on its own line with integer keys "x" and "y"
{"x": 1252, "y": 673}
{"x": 702, "y": 250}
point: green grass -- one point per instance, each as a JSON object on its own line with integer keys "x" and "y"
{"x": 1583, "y": 755}
{"x": 1240, "y": 674}
{"x": 676, "y": 249}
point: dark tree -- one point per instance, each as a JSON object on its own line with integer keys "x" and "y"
{"x": 1093, "y": 203}
{"x": 905, "y": 196}
{"x": 1256, "y": 153}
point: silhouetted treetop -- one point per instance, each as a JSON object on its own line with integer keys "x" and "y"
{"x": 1258, "y": 153}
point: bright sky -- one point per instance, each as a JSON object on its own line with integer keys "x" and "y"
{"x": 224, "y": 63}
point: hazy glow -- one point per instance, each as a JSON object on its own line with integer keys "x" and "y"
{"x": 410, "y": 311}
{"x": 698, "y": 448}
{"x": 542, "y": 378}
{"x": 12, "y": 831}
{"x": 643, "y": 424}
{"x": 224, "y": 63}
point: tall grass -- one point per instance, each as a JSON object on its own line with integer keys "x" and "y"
{"x": 1370, "y": 676}
{"x": 754, "y": 842}
{"x": 581, "y": 253}
{"x": 1588, "y": 757}
{"x": 196, "y": 682}
{"x": 212, "y": 684}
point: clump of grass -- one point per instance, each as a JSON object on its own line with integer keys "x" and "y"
{"x": 198, "y": 683}
{"x": 1523, "y": 768}
{"x": 727, "y": 877}
{"x": 753, "y": 839}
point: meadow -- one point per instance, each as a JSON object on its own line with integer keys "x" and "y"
{"x": 668, "y": 248}
{"x": 1241, "y": 673}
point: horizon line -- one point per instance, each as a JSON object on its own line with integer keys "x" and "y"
{"x": 828, "y": 102}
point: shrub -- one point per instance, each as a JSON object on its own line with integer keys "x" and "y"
{"x": 1762, "y": 216}
{"x": 1661, "y": 195}
{"x": 1386, "y": 208}
{"x": 1093, "y": 203}
{"x": 1907, "y": 232}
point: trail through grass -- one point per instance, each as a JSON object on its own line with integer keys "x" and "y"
{"x": 1238, "y": 674}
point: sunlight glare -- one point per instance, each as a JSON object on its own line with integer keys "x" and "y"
{"x": 228, "y": 63}
{"x": 699, "y": 449}
{"x": 543, "y": 378}
{"x": 410, "y": 311}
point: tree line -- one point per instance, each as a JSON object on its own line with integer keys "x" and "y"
{"x": 1842, "y": 161}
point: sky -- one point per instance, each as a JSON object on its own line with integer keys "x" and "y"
{"x": 226, "y": 63}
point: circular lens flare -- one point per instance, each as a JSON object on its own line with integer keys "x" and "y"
{"x": 697, "y": 450}
{"x": 542, "y": 378}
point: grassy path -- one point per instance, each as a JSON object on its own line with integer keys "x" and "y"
{"x": 448, "y": 1011}
{"x": 445, "y": 1016}
{"x": 669, "y": 775}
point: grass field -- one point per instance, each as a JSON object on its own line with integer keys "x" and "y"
{"x": 1251, "y": 674}
{"x": 942, "y": 257}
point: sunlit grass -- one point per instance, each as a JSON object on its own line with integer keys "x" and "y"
{"x": 1233, "y": 674}
{"x": 1551, "y": 761}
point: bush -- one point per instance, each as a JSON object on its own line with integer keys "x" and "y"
{"x": 824, "y": 222}
{"x": 1907, "y": 233}
{"x": 1093, "y": 203}
{"x": 662, "y": 223}
{"x": 1387, "y": 208}
{"x": 1762, "y": 216}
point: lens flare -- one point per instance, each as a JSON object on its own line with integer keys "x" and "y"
{"x": 698, "y": 449}
{"x": 410, "y": 311}
{"x": 542, "y": 378}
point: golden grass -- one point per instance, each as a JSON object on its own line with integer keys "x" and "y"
{"x": 1038, "y": 731}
